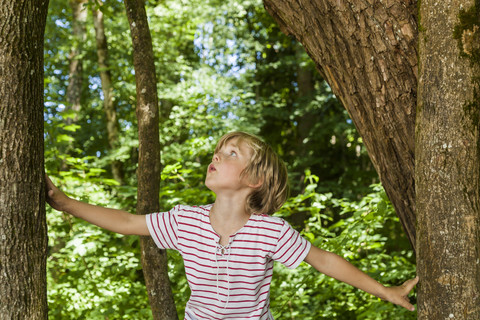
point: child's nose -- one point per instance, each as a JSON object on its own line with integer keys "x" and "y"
{"x": 216, "y": 157}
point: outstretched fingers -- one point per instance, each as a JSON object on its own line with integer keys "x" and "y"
{"x": 406, "y": 288}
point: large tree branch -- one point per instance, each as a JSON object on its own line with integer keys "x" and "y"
{"x": 366, "y": 51}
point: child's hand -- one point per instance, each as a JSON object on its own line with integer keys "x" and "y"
{"x": 54, "y": 197}
{"x": 399, "y": 295}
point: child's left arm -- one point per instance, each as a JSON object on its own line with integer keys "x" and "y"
{"x": 336, "y": 267}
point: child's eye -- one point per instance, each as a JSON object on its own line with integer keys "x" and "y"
{"x": 233, "y": 154}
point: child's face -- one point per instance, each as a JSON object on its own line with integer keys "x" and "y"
{"x": 225, "y": 171}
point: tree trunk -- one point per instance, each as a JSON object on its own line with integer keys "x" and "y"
{"x": 107, "y": 89}
{"x": 75, "y": 74}
{"x": 306, "y": 89}
{"x": 366, "y": 50}
{"x": 75, "y": 77}
{"x": 154, "y": 260}
{"x": 448, "y": 161}
{"x": 23, "y": 232}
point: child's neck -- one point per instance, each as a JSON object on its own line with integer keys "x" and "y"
{"x": 227, "y": 217}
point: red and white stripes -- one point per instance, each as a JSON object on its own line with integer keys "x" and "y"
{"x": 233, "y": 283}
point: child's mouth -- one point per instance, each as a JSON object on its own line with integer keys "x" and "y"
{"x": 211, "y": 168}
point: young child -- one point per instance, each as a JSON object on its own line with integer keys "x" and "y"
{"x": 229, "y": 246}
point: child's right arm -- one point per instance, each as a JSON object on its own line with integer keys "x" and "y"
{"x": 111, "y": 219}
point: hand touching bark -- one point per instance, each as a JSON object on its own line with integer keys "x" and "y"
{"x": 54, "y": 197}
{"x": 399, "y": 295}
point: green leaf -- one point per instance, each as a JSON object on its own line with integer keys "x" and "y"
{"x": 71, "y": 127}
{"x": 64, "y": 138}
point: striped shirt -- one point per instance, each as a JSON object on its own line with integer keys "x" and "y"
{"x": 231, "y": 282}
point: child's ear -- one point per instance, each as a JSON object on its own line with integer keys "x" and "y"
{"x": 256, "y": 185}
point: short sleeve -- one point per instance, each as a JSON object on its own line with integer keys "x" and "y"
{"x": 163, "y": 228}
{"x": 291, "y": 247}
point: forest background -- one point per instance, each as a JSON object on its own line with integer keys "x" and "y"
{"x": 221, "y": 66}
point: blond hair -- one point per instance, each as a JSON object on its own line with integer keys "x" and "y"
{"x": 264, "y": 168}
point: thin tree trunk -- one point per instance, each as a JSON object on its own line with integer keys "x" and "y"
{"x": 306, "y": 88}
{"x": 23, "y": 232}
{"x": 107, "y": 89}
{"x": 154, "y": 260}
{"x": 75, "y": 78}
{"x": 75, "y": 74}
{"x": 366, "y": 50}
{"x": 448, "y": 161}
{"x": 305, "y": 122}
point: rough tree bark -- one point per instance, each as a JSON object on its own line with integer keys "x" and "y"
{"x": 154, "y": 260}
{"x": 23, "y": 231}
{"x": 366, "y": 50}
{"x": 448, "y": 160}
{"x": 107, "y": 89}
